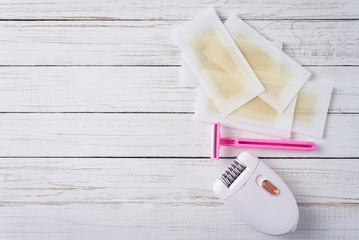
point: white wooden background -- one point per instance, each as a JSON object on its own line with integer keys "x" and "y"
{"x": 97, "y": 138}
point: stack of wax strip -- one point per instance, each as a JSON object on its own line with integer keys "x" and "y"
{"x": 247, "y": 82}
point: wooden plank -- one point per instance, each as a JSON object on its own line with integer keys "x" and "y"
{"x": 105, "y": 181}
{"x": 149, "y": 43}
{"x": 163, "y": 221}
{"x": 127, "y": 9}
{"x": 132, "y": 89}
{"x": 166, "y": 135}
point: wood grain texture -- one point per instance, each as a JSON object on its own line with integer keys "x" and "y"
{"x": 97, "y": 136}
{"x": 172, "y": 9}
{"x": 39, "y": 181}
{"x": 132, "y": 89}
{"x": 142, "y": 135}
{"x": 163, "y": 221}
{"x": 149, "y": 43}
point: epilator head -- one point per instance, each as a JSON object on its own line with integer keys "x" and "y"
{"x": 258, "y": 196}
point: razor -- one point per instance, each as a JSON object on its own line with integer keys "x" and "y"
{"x": 218, "y": 141}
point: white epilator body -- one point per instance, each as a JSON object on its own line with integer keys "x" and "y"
{"x": 259, "y": 197}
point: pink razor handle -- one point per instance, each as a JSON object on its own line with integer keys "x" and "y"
{"x": 217, "y": 141}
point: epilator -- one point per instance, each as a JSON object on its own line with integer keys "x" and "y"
{"x": 258, "y": 196}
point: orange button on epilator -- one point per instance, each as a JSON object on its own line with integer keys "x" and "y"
{"x": 269, "y": 187}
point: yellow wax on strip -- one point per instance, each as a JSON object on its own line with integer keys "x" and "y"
{"x": 256, "y": 109}
{"x": 218, "y": 53}
{"x": 227, "y": 84}
{"x": 230, "y": 83}
{"x": 199, "y": 44}
{"x": 305, "y": 107}
{"x": 271, "y": 73}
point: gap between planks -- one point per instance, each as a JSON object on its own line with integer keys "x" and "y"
{"x": 167, "y": 20}
{"x": 155, "y": 66}
{"x": 163, "y": 157}
{"x": 188, "y": 113}
{"x": 164, "y": 203}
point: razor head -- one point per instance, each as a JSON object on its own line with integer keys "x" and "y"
{"x": 215, "y": 143}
